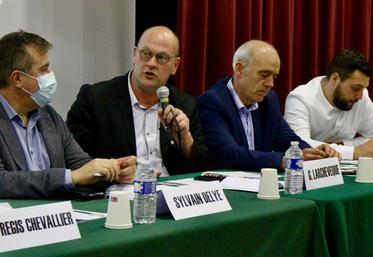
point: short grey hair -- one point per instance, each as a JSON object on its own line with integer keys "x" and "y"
{"x": 242, "y": 55}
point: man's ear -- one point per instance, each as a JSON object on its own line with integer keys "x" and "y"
{"x": 238, "y": 70}
{"x": 176, "y": 65}
{"x": 335, "y": 79}
{"x": 134, "y": 51}
{"x": 15, "y": 78}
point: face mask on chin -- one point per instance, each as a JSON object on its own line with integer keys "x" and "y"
{"x": 47, "y": 88}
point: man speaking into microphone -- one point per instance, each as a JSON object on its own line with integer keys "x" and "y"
{"x": 123, "y": 116}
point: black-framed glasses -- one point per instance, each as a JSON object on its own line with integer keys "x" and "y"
{"x": 161, "y": 58}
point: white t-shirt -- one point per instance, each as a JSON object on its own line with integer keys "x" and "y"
{"x": 316, "y": 121}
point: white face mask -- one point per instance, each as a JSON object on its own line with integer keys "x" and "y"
{"x": 47, "y": 88}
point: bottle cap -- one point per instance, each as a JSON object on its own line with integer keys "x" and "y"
{"x": 143, "y": 162}
{"x": 294, "y": 143}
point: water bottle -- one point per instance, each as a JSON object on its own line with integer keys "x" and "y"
{"x": 294, "y": 169}
{"x": 144, "y": 203}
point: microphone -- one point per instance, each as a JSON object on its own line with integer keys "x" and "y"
{"x": 162, "y": 93}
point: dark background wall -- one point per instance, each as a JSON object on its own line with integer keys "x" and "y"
{"x": 152, "y": 13}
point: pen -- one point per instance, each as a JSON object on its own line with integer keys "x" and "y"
{"x": 166, "y": 183}
{"x": 91, "y": 213}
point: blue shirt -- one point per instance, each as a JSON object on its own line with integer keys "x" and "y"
{"x": 31, "y": 141}
{"x": 245, "y": 115}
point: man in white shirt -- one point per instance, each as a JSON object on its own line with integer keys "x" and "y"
{"x": 336, "y": 108}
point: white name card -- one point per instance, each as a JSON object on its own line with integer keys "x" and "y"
{"x": 37, "y": 225}
{"x": 322, "y": 173}
{"x": 196, "y": 200}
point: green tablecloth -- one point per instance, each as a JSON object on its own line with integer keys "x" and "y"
{"x": 347, "y": 215}
{"x": 286, "y": 227}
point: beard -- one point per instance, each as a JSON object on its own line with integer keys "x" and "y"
{"x": 340, "y": 101}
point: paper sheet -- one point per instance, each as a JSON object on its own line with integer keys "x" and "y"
{"x": 4, "y": 207}
{"x": 242, "y": 184}
{"x": 348, "y": 167}
{"x": 82, "y": 215}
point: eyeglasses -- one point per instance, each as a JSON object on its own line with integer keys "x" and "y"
{"x": 161, "y": 58}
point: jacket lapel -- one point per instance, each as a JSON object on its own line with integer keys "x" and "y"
{"x": 11, "y": 139}
{"x": 232, "y": 108}
{"x": 52, "y": 142}
{"x": 124, "y": 104}
{"x": 255, "y": 115}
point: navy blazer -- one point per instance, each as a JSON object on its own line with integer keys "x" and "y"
{"x": 226, "y": 138}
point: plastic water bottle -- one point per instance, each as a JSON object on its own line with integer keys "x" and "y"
{"x": 144, "y": 203}
{"x": 294, "y": 169}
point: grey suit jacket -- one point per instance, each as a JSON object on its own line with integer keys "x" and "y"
{"x": 64, "y": 153}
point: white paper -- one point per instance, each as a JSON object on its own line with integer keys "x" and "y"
{"x": 322, "y": 173}
{"x": 348, "y": 166}
{"x": 37, "y": 225}
{"x": 238, "y": 174}
{"x": 240, "y": 180}
{"x": 196, "y": 200}
{"x": 242, "y": 184}
{"x": 5, "y": 207}
{"x": 178, "y": 182}
{"x": 82, "y": 215}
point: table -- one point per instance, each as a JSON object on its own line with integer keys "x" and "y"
{"x": 347, "y": 215}
{"x": 285, "y": 227}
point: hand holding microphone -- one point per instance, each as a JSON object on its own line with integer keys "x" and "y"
{"x": 162, "y": 94}
{"x": 166, "y": 114}
{"x": 175, "y": 121}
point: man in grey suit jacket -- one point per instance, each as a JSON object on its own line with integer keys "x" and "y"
{"x": 38, "y": 155}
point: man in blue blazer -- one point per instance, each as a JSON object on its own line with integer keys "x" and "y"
{"x": 38, "y": 155}
{"x": 240, "y": 115}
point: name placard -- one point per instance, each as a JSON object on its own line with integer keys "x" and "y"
{"x": 37, "y": 225}
{"x": 196, "y": 200}
{"x": 322, "y": 173}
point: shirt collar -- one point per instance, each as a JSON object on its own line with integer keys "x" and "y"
{"x": 237, "y": 99}
{"x": 326, "y": 105}
{"x": 12, "y": 113}
{"x": 133, "y": 98}
{"x": 134, "y": 101}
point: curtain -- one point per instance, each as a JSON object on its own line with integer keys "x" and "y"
{"x": 306, "y": 33}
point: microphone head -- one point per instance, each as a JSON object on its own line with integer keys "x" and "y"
{"x": 163, "y": 93}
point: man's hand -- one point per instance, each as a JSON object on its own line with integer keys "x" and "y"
{"x": 313, "y": 154}
{"x": 178, "y": 122}
{"x": 127, "y": 166}
{"x": 320, "y": 152}
{"x": 364, "y": 150}
{"x": 329, "y": 151}
{"x": 85, "y": 175}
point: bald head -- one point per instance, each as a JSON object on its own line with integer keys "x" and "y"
{"x": 163, "y": 35}
{"x": 154, "y": 60}
{"x": 251, "y": 50}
